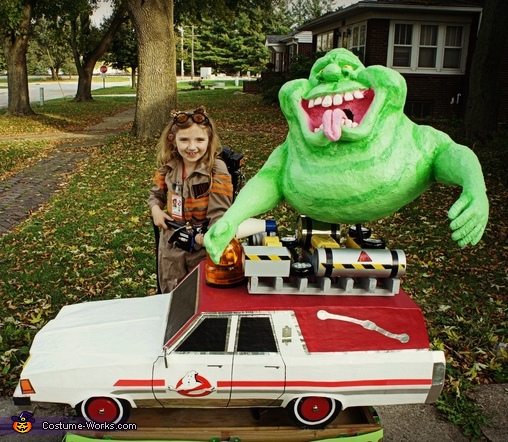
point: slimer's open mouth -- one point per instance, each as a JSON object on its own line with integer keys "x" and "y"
{"x": 331, "y": 112}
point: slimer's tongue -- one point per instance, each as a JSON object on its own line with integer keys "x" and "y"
{"x": 332, "y": 123}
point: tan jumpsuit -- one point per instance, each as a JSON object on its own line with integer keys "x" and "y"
{"x": 202, "y": 199}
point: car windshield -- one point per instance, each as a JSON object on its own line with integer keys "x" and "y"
{"x": 183, "y": 304}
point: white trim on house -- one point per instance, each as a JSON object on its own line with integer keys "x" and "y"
{"x": 439, "y": 47}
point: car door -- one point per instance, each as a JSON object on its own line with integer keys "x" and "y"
{"x": 258, "y": 377}
{"x": 197, "y": 368}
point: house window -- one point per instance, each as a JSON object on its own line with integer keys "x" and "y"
{"x": 418, "y": 109}
{"x": 356, "y": 40}
{"x": 429, "y": 48}
{"x": 324, "y": 42}
{"x": 292, "y": 53}
{"x": 403, "y": 40}
{"x": 453, "y": 47}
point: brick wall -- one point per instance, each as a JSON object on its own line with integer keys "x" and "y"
{"x": 377, "y": 42}
{"x": 306, "y": 49}
{"x": 438, "y": 91}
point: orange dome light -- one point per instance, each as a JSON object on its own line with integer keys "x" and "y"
{"x": 229, "y": 271}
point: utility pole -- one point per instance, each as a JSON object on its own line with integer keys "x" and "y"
{"x": 180, "y": 28}
{"x": 181, "y": 58}
{"x": 192, "y": 53}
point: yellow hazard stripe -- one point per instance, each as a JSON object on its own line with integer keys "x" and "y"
{"x": 357, "y": 266}
{"x": 267, "y": 257}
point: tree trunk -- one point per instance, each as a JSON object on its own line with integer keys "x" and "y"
{"x": 85, "y": 63}
{"x": 15, "y": 47}
{"x": 483, "y": 102}
{"x": 85, "y": 74}
{"x": 54, "y": 73}
{"x": 156, "y": 94}
{"x": 133, "y": 77}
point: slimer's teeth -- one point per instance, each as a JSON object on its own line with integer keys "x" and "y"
{"x": 327, "y": 101}
{"x": 335, "y": 99}
{"x": 348, "y": 96}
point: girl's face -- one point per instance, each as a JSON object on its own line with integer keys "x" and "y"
{"x": 192, "y": 144}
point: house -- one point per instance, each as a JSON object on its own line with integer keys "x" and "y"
{"x": 283, "y": 48}
{"x": 430, "y": 42}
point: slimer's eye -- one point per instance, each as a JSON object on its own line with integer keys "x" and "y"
{"x": 348, "y": 67}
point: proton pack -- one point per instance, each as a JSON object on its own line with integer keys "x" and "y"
{"x": 234, "y": 162}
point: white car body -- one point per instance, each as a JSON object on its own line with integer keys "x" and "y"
{"x": 201, "y": 346}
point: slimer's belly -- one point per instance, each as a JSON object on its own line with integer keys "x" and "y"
{"x": 348, "y": 196}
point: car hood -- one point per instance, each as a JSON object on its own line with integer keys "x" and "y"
{"x": 102, "y": 332}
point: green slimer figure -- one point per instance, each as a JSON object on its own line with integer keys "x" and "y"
{"x": 352, "y": 156}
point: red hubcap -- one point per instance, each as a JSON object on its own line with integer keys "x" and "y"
{"x": 102, "y": 410}
{"x": 315, "y": 408}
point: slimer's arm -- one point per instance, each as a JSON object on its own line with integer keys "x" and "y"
{"x": 260, "y": 194}
{"x": 458, "y": 165}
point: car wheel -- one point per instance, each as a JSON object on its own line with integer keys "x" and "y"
{"x": 313, "y": 411}
{"x": 105, "y": 410}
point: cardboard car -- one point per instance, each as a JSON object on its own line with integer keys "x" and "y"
{"x": 203, "y": 346}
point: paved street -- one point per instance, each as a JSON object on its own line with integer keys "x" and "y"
{"x": 50, "y": 90}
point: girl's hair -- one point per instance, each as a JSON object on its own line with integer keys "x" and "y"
{"x": 166, "y": 146}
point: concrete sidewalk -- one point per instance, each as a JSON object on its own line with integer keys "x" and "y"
{"x": 21, "y": 195}
{"x": 422, "y": 423}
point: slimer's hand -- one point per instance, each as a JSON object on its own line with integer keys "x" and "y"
{"x": 469, "y": 218}
{"x": 469, "y": 214}
{"x": 217, "y": 238}
{"x": 352, "y": 156}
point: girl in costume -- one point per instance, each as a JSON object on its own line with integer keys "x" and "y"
{"x": 194, "y": 186}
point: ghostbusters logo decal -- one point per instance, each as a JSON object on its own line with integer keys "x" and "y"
{"x": 193, "y": 385}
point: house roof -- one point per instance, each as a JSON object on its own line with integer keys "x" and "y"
{"x": 297, "y": 35}
{"x": 444, "y": 6}
{"x": 274, "y": 39}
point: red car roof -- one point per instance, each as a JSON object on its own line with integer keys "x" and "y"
{"x": 394, "y": 322}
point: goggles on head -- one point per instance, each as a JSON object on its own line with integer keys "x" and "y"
{"x": 197, "y": 117}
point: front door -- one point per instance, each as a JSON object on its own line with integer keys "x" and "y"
{"x": 197, "y": 366}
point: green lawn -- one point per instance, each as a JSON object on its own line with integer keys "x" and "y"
{"x": 62, "y": 115}
{"x": 57, "y": 116}
{"x": 94, "y": 240}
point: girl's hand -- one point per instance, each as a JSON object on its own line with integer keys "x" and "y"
{"x": 199, "y": 238}
{"x": 160, "y": 217}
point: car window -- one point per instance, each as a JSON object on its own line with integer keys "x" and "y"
{"x": 209, "y": 336}
{"x": 256, "y": 335}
